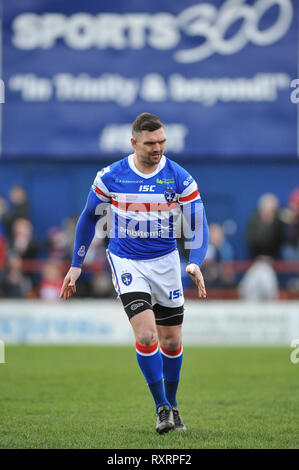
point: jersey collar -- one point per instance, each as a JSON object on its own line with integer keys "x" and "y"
{"x": 147, "y": 175}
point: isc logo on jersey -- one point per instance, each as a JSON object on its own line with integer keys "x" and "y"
{"x": 145, "y": 188}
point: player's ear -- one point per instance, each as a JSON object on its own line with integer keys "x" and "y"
{"x": 133, "y": 142}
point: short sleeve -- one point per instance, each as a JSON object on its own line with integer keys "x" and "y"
{"x": 99, "y": 187}
{"x": 188, "y": 189}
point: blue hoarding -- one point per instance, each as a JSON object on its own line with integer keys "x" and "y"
{"x": 217, "y": 73}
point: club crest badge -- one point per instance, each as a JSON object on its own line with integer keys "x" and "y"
{"x": 126, "y": 278}
{"x": 169, "y": 195}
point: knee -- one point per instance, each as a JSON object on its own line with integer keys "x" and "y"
{"x": 171, "y": 343}
{"x": 147, "y": 337}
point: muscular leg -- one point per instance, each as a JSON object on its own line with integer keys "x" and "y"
{"x": 148, "y": 355}
{"x": 170, "y": 337}
{"x": 144, "y": 327}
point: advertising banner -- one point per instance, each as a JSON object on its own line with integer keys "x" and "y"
{"x": 104, "y": 322}
{"x": 218, "y": 74}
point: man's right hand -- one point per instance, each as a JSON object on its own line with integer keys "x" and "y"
{"x": 69, "y": 283}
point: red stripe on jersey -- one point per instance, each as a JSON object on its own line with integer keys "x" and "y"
{"x": 190, "y": 197}
{"x": 177, "y": 352}
{"x": 97, "y": 190}
{"x": 113, "y": 275}
{"x": 146, "y": 349}
{"x": 144, "y": 206}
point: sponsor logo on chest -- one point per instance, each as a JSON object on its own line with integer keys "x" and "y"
{"x": 145, "y": 188}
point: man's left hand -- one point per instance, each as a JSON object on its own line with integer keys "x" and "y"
{"x": 197, "y": 277}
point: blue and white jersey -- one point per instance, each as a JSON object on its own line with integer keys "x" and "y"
{"x": 144, "y": 207}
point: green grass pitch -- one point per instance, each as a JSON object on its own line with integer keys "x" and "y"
{"x": 96, "y": 398}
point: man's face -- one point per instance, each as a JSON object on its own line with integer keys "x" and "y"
{"x": 149, "y": 146}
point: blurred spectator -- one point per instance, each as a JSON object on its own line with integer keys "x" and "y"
{"x": 3, "y": 207}
{"x": 260, "y": 281}
{"x": 57, "y": 247}
{"x": 19, "y": 279}
{"x": 265, "y": 228}
{"x": 216, "y": 273}
{"x": 290, "y": 217}
{"x": 182, "y": 231}
{"x": 3, "y": 244}
{"x": 51, "y": 283}
{"x": 3, "y": 248}
{"x": 290, "y": 249}
{"x": 219, "y": 248}
{"x": 60, "y": 240}
{"x": 102, "y": 285}
{"x": 23, "y": 242}
{"x": 24, "y": 245}
{"x": 98, "y": 283}
{"x": 15, "y": 283}
{"x": 19, "y": 208}
{"x": 68, "y": 231}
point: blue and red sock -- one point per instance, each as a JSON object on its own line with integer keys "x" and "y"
{"x": 150, "y": 362}
{"x": 172, "y": 363}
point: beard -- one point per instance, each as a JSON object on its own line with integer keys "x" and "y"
{"x": 152, "y": 159}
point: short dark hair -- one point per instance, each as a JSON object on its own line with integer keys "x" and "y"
{"x": 145, "y": 122}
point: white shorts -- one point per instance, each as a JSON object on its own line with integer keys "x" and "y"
{"x": 159, "y": 277}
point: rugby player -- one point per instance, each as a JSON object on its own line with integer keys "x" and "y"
{"x": 147, "y": 193}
